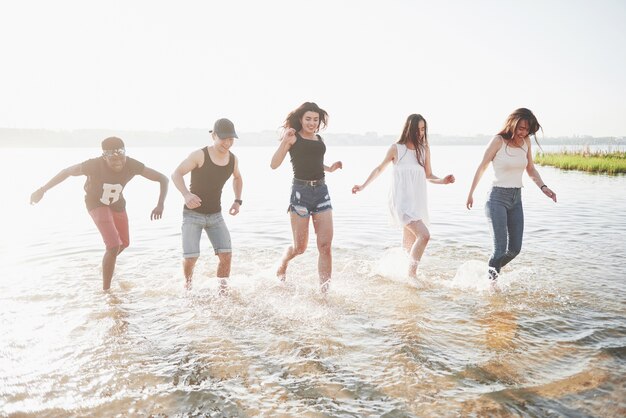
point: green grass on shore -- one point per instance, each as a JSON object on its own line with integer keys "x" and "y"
{"x": 584, "y": 160}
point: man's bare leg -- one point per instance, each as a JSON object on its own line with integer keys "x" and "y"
{"x": 223, "y": 271}
{"x": 108, "y": 266}
{"x": 188, "y": 266}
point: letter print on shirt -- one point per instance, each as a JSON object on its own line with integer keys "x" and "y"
{"x": 111, "y": 193}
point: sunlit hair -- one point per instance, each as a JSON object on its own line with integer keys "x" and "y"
{"x": 294, "y": 119}
{"x": 411, "y": 134}
{"x": 508, "y": 130}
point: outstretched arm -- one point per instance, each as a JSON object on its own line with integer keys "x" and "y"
{"x": 195, "y": 159}
{"x": 237, "y": 188}
{"x": 534, "y": 174}
{"x": 490, "y": 153}
{"x": 389, "y": 157}
{"x": 429, "y": 172}
{"x": 288, "y": 139}
{"x": 154, "y": 175}
{"x": 37, "y": 195}
{"x": 334, "y": 166}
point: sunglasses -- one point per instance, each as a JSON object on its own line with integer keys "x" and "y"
{"x": 114, "y": 152}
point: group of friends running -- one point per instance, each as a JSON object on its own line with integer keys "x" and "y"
{"x": 509, "y": 152}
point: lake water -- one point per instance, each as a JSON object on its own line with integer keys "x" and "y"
{"x": 551, "y": 343}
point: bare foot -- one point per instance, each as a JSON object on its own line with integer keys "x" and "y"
{"x": 324, "y": 285}
{"x": 413, "y": 269}
{"x": 493, "y": 285}
{"x": 281, "y": 273}
{"x": 223, "y": 291}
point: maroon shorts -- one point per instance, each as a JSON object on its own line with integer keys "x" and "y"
{"x": 113, "y": 226}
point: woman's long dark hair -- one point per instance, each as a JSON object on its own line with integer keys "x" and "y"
{"x": 294, "y": 118}
{"x": 508, "y": 130}
{"x": 411, "y": 134}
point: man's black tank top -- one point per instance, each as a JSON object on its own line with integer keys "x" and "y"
{"x": 208, "y": 181}
{"x": 307, "y": 158}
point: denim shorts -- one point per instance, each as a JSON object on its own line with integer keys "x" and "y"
{"x": 309, "y": 197}
{"x": 215, "y": 227}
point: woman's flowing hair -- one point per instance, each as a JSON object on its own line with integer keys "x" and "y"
{"x": 294, "y": 118}
{"x": 411, "y": 134}
{"x": 508, "y": 130}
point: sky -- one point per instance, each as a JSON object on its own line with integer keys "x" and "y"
{"x": 464, "y": 65}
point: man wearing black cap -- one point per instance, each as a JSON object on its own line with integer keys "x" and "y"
{"x": 106, "y": 177}
{"x": 210, "y": 167}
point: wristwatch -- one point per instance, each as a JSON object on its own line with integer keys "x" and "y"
{"x": 239, "y": 201}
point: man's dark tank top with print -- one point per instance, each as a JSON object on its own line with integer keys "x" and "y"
{"x": 208, "y": 181}
{"x": 307, "y": 158}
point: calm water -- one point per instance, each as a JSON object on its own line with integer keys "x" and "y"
{"x": 551, "y": 343}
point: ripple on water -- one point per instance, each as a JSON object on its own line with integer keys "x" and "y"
{"x": 378, "y": 343}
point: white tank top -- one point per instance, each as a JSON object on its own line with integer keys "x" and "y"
{"x": 509, "y": 165}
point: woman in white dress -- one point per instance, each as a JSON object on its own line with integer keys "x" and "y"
{"x": 407, "y": 200}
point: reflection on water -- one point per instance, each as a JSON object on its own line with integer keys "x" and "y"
{"x": 551, "y": 342}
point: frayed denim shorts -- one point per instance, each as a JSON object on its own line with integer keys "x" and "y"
{"x": 214, "y": 226}
{"x": 309, "y": 197}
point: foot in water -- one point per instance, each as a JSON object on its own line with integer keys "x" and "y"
{"x": 413, "y": 269}
{"x": 188, "y": 283}
{"x": 281, "y": 273}
{"x": 223, "y": 290}
{"x": 324, "y": 285}
{"x": 493, "y": 280}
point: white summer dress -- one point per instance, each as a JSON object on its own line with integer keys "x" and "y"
{"x": 407, "y": 197}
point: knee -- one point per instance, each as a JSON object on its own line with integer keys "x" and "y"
{"x": 324, "y": 247}
{"x": 299, "y": 248}
{"x": 190, "y": 262}
{"x": 225, "y": 258}
{"x": 425, "y": 236}
{"x": 114, "y": 251}
{"x": 512, "y": 253}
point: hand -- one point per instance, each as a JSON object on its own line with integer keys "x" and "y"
{"x": 335, "y": 166}
{"x": 357, "y": 188}
{"x": 289, "y": 136}
{"x": 234, "y": 209}
{"x": 36, "y": 196}
{"x": 470, "y": 202}
{"x": 449, "y": 179}
{"x": 157, "y": 213}
{"x": 549, "y": 193}
{"x": 192, "y": 201}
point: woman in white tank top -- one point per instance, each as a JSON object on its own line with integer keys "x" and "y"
{"x": 407, "y": 198}
{"x": 510, "y": 154}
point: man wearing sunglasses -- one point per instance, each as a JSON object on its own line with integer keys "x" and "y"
{"x": 106, "y": 177}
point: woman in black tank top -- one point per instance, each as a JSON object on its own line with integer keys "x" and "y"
{"x": 309, "y": 193}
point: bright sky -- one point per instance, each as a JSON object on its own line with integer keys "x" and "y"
{"x": 464, "y": 65}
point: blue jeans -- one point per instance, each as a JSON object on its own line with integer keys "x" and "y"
{"x": 506, "y": 218}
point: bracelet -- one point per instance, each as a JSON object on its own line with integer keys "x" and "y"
{"x": 541, "y": 188}
{"x": 239, "y": 201}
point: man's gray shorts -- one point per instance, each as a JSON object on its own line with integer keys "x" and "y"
{"x": 215, "y": 227}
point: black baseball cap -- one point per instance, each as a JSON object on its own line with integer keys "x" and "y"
{"x": 112, "y": 143}
{"x": 224, "y": 128}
